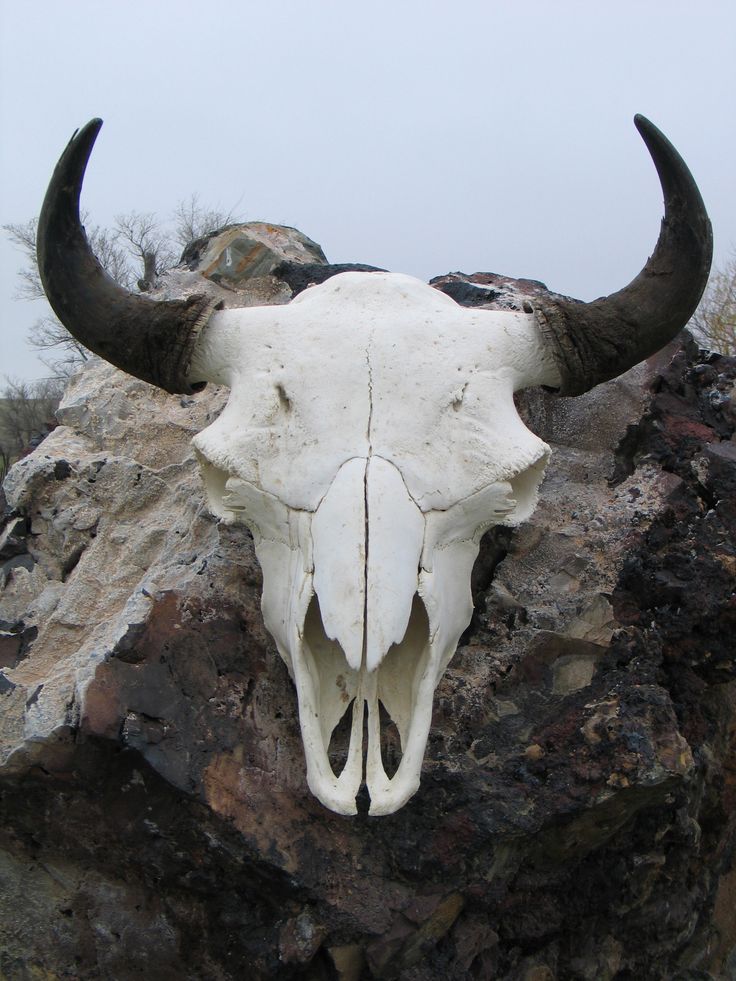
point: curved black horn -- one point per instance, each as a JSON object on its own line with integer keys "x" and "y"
{"x": 593, "y": 342}
{"x": 150, "y": 339}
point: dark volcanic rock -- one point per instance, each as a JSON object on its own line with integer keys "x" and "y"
{"x": 299, "y": 275}
{"x": 576, "y": 817}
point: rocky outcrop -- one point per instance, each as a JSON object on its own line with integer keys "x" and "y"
{"x": 576, "y": 817}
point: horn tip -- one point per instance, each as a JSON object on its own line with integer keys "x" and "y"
{"x": 93, "y": 126}
{"x": 644, "y": 125}
{"x": 87, "y": 133}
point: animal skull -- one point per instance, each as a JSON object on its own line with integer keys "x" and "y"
{"x": 369, "y": 440}
{"x": 367, "y": 508}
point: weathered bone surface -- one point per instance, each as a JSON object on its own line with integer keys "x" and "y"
{"x": 369, "y": 441}
{"x": 368, "y": 492}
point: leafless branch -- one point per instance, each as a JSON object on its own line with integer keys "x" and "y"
{"x": 193, "y": 221}
{"x": 26, "y": 412}
{"x": 23, "y": 236}
{"x": 714, "y": 322}
{"x": 135, "y": 253}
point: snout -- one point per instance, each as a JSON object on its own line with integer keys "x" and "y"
{"x": 366, "y": 640}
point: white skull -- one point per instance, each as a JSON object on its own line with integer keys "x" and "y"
{"x": 369, "y": 441}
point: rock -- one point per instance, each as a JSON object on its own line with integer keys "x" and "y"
{"x": 298, "y": 276}
{"x": 299, "y": 939}
{"x": 575, "y": 818}
{"x": 348, "y": 961}
{"x": 251, "y": 250}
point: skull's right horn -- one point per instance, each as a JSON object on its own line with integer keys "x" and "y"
{"x": 150, "y": 339}
{"x": 593, "y": 342}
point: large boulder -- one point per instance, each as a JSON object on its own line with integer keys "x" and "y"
{"x": 576, "y": 813}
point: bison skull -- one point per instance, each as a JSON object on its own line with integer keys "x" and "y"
{"x": 369, "y": 440}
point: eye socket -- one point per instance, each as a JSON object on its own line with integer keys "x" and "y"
{"x": 214, "y": 481}
{"x": 524, "y": 490}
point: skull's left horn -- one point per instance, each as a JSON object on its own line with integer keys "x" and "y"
{"x": 593, "y": 342}
{"x": 150, "y": 339}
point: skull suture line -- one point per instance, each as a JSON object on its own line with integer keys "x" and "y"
{"x": 369, "y": 440}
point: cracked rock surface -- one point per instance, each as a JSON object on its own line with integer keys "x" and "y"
{"x": 576, "y": 816}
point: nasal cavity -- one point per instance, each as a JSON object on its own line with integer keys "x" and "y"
{"x": 399, "y": 676}
{"x": 336, "y": 685}
{"x": 391, "y": 751}
{"x": 339, "y": 748}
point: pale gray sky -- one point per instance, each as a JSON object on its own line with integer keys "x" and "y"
{"x": 417, "y": 135}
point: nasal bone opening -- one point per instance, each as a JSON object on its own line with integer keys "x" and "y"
{"x": 384, "y": 698}
{"x": 338, "y": 751}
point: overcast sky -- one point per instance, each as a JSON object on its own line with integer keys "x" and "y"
{"x": 416, "y": 135}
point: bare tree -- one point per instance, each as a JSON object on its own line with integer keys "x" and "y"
{"x": 149, "y": 246}
{"x": 23, "y": 236}
{"x": 26, "y": 415}
{"x": 113, "y": 257}
{"x": 714, "y": 322}
{"x": 193, "y": 221}
{"x": 135, "y": 252}
{"x": 48, "y": 333}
